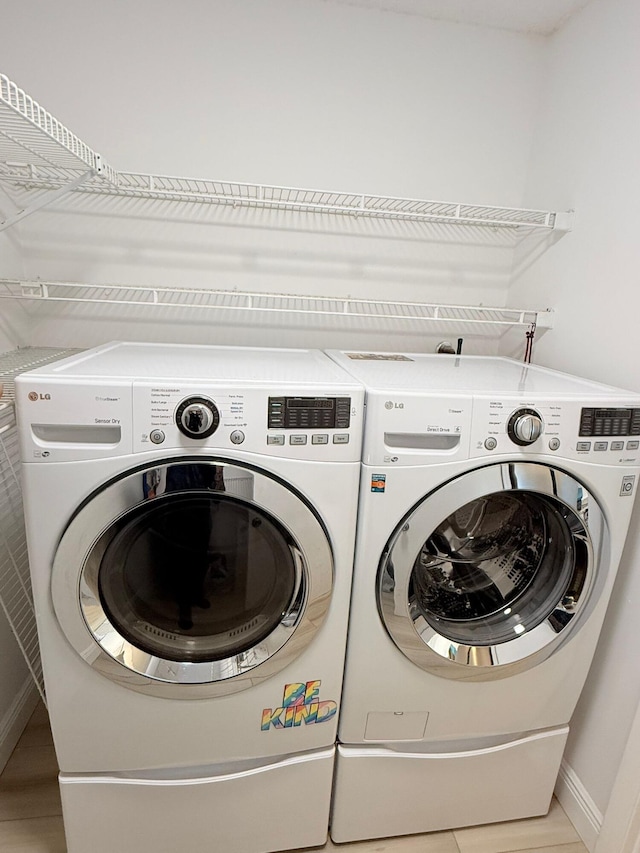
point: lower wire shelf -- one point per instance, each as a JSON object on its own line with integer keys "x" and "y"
{"x": 283, "y": 304}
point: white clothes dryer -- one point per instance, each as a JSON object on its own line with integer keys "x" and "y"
{"x": 191, "y": 515}
{"x": 495, "y": 501}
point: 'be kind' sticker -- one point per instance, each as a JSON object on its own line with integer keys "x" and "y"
{"x": 300, "y": 704}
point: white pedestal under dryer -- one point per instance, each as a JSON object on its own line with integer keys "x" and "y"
{"x": 190, "y": 515}
{"x": 494, "y": 505}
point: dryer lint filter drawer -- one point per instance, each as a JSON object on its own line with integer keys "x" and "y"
{"x": 383, "y": 792}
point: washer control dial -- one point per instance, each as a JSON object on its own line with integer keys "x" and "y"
{"x": 197, "y": 417}
{"x": 525, "y": 426}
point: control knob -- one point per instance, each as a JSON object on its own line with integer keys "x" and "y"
{"x": 197, "y": 417}
{"x": 525, "y": 426}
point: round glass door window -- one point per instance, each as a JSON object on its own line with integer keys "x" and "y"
{"x": 200, "y": 573}
{"x": 500, "y": 577}
{"x": 495, "y": 556}
{"x": 199, "y": 578}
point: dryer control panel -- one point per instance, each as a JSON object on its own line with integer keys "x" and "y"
{"x": 306, "y": 425}
{"x": 127, "y": 397}
{"x": 309, "y": 412}
{"x": 91, "y": 420}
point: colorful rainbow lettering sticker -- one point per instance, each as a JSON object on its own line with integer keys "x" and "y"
{"x": 300, "y": 704}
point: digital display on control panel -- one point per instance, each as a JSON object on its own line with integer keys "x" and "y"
{"x": 598, "y": 422}
{"x": 309, "y": 403}
{"x": 309, "y": 413}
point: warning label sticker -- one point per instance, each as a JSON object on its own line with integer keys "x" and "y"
{"x": 378, "y": 482}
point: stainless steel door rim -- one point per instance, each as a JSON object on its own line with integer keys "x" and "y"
{"x": 468, "y": 594}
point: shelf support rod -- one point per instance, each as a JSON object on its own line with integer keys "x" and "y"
{"x": 45, "y": 200}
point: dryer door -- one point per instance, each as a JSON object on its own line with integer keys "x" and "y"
{"x": 492, "y": 571}
{"x": 192, "y": 576}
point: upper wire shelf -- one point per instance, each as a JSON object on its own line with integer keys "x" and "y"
{"x": 39, "y": 156}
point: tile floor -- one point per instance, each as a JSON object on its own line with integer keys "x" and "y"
{"x": 31, "y": 822}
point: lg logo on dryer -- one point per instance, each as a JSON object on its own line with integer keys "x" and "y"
{"x": 391, "y": 405}
{"x": 34, "y": 397}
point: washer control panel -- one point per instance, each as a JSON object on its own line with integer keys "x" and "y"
{"x": 604, "y": 422}
{"x": 564, "y": 428}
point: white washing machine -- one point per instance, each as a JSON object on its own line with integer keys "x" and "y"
{"x": 191, "y": 516}
{"x": 495, "y": 501}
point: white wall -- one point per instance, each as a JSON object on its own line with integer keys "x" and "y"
{"x": 296, "y": 92}
{"x": 586, "y": 154}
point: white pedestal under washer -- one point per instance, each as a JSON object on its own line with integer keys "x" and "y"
{"x": 190, "y": 515}
{"x": 494, "y": 505}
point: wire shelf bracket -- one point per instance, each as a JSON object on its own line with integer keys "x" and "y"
{"x": 43, "y": 201}
{"x": 31, "y": 139}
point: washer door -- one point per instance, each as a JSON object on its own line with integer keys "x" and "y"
{"x": 201, "y": 573}
{"x": 491, "y": 572}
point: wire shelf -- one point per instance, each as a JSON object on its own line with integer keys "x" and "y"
{"x": 325, "y": 201}
{"x": 281, "y": 304}
{"x": 204, "y": 191}
{"x": 38, "y": 153}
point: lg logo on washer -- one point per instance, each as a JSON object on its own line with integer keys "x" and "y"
{"x": 34, "y": 397}
{"x": 300, "y": 704}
